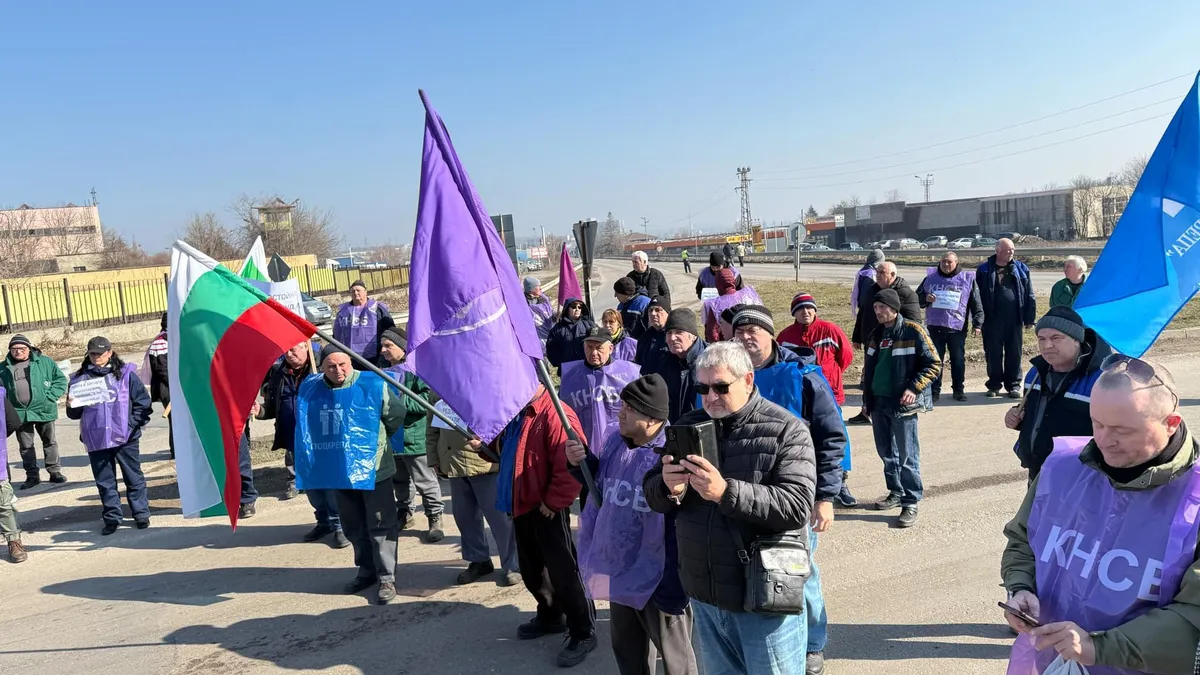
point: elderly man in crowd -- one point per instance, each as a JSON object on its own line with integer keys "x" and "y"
{"x": 654, "y": 340}
{"x": 763, "y": 487}
{"x": 540, "y": 307}
{"x": 1058, "y": 387}
{"x": 1008, "y": 304}
{"x": 949, "y": 296}
{"x": 647, "y": 280}
{"x": 1103, "y": 551}
{"x": 676, "y": 363}
{"x": 1065, "y": 290}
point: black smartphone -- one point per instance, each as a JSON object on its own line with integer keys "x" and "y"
{"x": 1020, "y": 615}
{"x": 694, "y": 439}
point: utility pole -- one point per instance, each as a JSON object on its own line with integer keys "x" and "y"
{"x": 744, "y": 187}
{"x": 926, "y": 182}
{"x": 94, "y": 202}
{"x": 646, "y": 225}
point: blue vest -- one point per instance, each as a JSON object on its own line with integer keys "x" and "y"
{"x": 337, "y": 433}
{"x": 783, "y": 385}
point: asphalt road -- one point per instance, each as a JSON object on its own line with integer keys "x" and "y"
{"x": 194, "y": 597}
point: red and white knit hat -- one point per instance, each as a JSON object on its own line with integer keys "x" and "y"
{"x": 803, "y": 300}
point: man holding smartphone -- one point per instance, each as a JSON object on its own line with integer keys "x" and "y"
{"x": 764, "y": 487}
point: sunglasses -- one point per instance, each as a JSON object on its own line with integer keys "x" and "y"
{"x": 721, "y": 388}
{"x": 1138, "y": 370}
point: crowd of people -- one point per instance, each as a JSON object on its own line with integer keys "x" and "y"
{"x": 705, "y": 455}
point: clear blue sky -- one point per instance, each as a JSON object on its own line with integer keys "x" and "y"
{"x": 562, "y": 110}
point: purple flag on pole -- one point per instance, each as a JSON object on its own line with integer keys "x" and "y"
{"x": 470, "y": 332}
{"x": 568, "y": 283}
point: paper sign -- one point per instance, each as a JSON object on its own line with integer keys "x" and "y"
{"x": 90, "y": 392}
{"x": 946, "y": 299}
{"x": 286, "y": 293}
{"x": 708, "y": 293}
{"x": 445, "y": 410}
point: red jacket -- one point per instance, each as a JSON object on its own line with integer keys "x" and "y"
{"x": 833, "y": 349}
{"x": 541, "y": 476}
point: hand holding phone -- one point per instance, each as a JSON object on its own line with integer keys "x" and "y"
{"x": 1020, "y": 614}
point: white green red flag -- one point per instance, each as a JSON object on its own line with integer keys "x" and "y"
{"x": 255, "y": 265}
{"x": 225, "y": 335}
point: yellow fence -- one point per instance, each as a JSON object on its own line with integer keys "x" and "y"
{"x": 45, "y": 304}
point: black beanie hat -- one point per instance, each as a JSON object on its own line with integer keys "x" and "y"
{"x": 19, "y": 339}
{"x": 889, "y": 297}
{"x": 163, "y": 323}
{"x": 682, "y": 319}
{"x": 625, "y": 286}
{"x": 659, "y": 301}
{"x": 329, "y": 350}
{"x": 648, "y": 395}
{"x": 1064, "y": 320}
{"x": 397, "y": 336}
{"x": 716, "y": 258}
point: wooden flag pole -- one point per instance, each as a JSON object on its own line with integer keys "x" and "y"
{"x": 588, "y": 479}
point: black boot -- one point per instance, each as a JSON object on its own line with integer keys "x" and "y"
{"x": 32, "y": 479}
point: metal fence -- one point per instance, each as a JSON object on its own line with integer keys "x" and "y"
{"x": 57, "y": 303}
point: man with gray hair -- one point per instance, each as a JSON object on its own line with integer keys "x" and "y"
{"x": 764, "y": 486}
{"x": 1008, "y": 307}
{"x": 647, "y": 280}
{"x": 1067, "y": 289}
{"x": 1103, "y": 551}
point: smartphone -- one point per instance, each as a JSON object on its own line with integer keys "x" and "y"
{"x": 695, "y": 439}
{"x": 1020, "y": 615}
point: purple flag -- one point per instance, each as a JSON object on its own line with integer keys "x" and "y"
{"x": 470, "y": 334}
{"x": 568, "y": 283}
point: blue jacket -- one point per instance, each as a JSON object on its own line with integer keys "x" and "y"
{"x": 565, "y": 343}
{"x": 679, "y": 374}
{"x": 633, "y": 315}
{"x": 819, "y": 409}
{"x": 652, "y": 342}
{"x": 985, "y": 277}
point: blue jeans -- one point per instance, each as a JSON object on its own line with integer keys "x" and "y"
{"x": 898, "y": 446}
{"x": 740, "y": 643}
{"x": 814, "y": 602}
{"x": 324, "y": 503}
{"x": 249, "y": 493}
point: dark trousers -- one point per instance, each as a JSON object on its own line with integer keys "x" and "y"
{"x": 369, "y": 522}
{"x": 1002, "y": 349}
{"x": 45, "y": 430}
{"x": 639, "y": 636}
{"x": 104, "y": 469}
{"x": 687, "y": 266}
{"x": 956, "y": 342}
{"x": 249, "y": 493}
{"x": 550, "y": 568}
{"x": 899, "y": 447}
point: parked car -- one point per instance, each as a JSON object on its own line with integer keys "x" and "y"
{"x": 900, "y": 244}
{"x": 961, "y": 242}
{"x": 819, "y": 247}
{"x": 316, "y": 311}
{"x": 934, "y": 242}
{"x": 985, "y": 242}
{"x": 850, "y": 246}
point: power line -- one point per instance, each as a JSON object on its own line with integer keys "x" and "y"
{"x": 974, "y": 161}
{"x": 723, "y": 193}
{"x": 982, "y": 148}
{"x": 985, "y": 133}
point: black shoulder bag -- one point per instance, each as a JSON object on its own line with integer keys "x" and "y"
{"x": 776, "y": 568}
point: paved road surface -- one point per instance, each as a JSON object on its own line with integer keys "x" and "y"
{"x": 193, "y": 597}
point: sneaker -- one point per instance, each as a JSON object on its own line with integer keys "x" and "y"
{"x": 993, "y": 393}
{"x": 575, "y": 650}
{"x": 859, "y": 419}
{"x": 510, "y": 579}
{"x": 475, "y": 571}
{"x": 109, "y": 528}
{"x": 17, "y": 552}
{"x": 31, "y": 480}
{"x": 339, "y": 540}
{"x": 359, "y": 584}
{"x": 1014, "y": 393}
{"x": 536, "y": 629}
{"x": 57, "y": 478}
{"x": 290, "y": 492}
{"x": 435, "y": 533}
{"x": 317, "y": 532}
{"x": 246, "y": 511}
{"x": 814, "y": 664}
{"x": 907, "y": 517}
{"x": 960, "y": 396}
{"x": 387, "y": 593}
{"x": 142, "y": 524}
{"x": 844, "y": 498}
{"x": 892, "y": 501}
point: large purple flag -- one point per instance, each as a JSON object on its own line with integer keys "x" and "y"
{"x": 470, "y": 332}
{"x": 568, "y": 283}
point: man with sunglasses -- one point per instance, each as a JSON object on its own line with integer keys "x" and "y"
{"x": 764, "y": 486}
{"x": 1103, "y": 550}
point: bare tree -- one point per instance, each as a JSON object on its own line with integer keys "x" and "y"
{"x": 843, "y": 203}
{"x": 1134, "y": 167}
{"x": 70, "y": 230}
{"x": 206, "y": 232}
{"x": 1097, "y": 204}
{"x": 312, "y": 230}
{"x": 119, "y": 253}
{"x": 893, "y": 195}
{"x": 393, "y": 254}
{"x": 19, "y": 256}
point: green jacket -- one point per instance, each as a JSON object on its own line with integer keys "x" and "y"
{"x": 47, "y": 384}
{"x": 1159, "y": 641}
{"x": 414, "y": 415}
{"x": 391, "y": 418}
{"x": 449, "y": 454}
{"x": 1063, "y": 293}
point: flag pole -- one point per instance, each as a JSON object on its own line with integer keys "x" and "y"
{"x": 589, "y": 481}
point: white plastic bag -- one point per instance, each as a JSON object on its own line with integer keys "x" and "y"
{"x": 1060, "y": 666}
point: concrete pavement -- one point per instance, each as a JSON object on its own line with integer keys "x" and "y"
{"x": 194, "y": 597}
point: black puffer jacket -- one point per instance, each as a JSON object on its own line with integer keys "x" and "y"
{"x": 865, "y": 321}
{"x": 768, "y": 460}
{"x": 679, "y": 375}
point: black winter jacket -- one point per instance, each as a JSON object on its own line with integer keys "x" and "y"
{"x": 650, "y": 346}
{"x": 652, "y": 282}
{"x": 679, "y": 374}
{"x": 768, "y": 461}
{"x": 985, "y": 278}
{"x": 914, "y": 365}
{"x": 565, "y": 343}
{"x": 865, "y": 322}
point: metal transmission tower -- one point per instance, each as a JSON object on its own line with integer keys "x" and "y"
{"x": 744, "y": 187}
{"x": 926, "y": 182}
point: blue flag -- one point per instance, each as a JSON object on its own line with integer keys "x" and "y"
{"x": 470, "y": 331}
{"x": 1148, "y": 270}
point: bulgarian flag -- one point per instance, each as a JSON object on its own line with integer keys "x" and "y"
{"x": 255, "y": 265}
{"x": 225, "y": 335}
